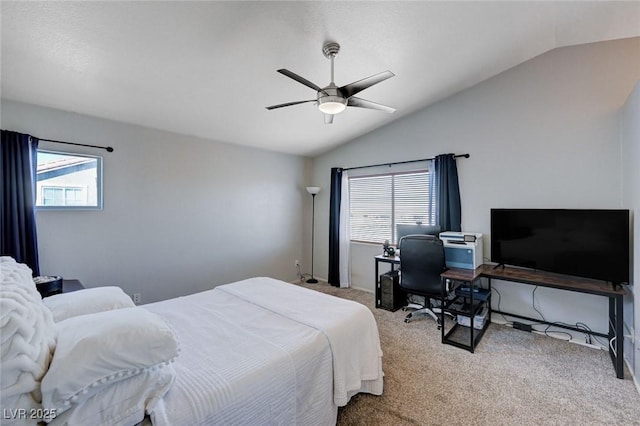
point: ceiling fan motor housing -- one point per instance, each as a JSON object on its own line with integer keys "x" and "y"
{"x": 331, "y": 100}
{"x": 330, "y": 49}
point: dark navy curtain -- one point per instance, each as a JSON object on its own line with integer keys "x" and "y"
{"x": 448, "y": 209}
{"x": 334, "y": 226}
{"x": 18, "y": 158}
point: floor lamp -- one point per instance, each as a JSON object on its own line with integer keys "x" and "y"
{"x": 313, "y": 190}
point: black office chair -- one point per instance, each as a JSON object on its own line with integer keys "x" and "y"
{"x": 421, "y": 263}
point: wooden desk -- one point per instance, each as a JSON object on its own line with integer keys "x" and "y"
{"x": 569, "y": 283}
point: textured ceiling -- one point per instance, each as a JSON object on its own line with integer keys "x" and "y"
{"x": 208, "y": 69}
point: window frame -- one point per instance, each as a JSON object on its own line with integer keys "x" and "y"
{"x": 427, "y": 170}
{"x": 99, "y": 183}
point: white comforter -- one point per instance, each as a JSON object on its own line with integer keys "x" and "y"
{"x": 349, "y": 326}
{"x": 262, "y": 351}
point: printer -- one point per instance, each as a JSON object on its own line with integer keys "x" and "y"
{"x": 462, "y": 249}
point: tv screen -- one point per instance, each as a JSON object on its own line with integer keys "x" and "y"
{"x": 584, "y": 243}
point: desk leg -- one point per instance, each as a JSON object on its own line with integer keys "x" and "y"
{"x": 443, "y": 295}
{"x": 377, "y": 287}
{"x": 490, "y": 299}
{"x": 616, "y": 321}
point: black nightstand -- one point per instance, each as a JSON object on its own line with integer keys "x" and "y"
{"x": 68, "y": 286}
{"x": 71, "y": 285}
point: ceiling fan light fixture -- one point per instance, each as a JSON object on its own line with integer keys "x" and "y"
{"x": 332, "y": 100}
{"x": 332, "y": 104}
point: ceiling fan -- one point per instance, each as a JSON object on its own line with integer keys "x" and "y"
{"x": 332, "y": 99}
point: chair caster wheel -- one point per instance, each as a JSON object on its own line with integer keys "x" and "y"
{"x": 407, "y": 320}
{"x": 439, "y": 328}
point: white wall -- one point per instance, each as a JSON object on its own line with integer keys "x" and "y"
{"x": 544, "y": 134}
{"x": 181, "y": 214}
{"x": 630, "y": 139}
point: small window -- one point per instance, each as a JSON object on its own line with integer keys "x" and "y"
{"x": 68, "y": 181}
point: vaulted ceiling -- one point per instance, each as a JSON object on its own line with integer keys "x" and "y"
{"x": 208, "y": 69}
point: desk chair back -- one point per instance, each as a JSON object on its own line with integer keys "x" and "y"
{"x": 403, "y": 230}
{"x": 421, "y": 263}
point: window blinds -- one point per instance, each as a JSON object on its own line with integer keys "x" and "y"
{"x": 379, "y": 203}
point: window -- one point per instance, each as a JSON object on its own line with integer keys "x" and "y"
{"x": 63, "y": 196}
{"x": 378, "y": 203}
{"x": 68, "y": 181}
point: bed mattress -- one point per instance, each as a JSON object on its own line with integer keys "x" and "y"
{"x": 262, "y": 351}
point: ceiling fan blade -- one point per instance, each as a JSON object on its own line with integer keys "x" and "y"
{"x": 357, "y": 102}
{"x": 289, "y": 104}
{"x": 328, "y": 118}
{"x": 299, "y": 79}
{"x": 360, "y": 85}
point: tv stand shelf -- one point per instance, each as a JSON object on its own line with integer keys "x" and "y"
{"x": 615, "y": 294}
{"x": 549, "y": 279}
{"x": 458, "y": 335}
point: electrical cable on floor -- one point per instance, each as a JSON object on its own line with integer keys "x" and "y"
{"x": 612, "y": 327}
{"x": 509, "y": 323}
{"x": 302, "y": 275}
{"x": 611, "y": 346}
{"x": 587, "y": 335}
{"x": 588, "y": 331}
{"x": 533, "y": 296}
{"x": 590, "y": 335}
{"x": 546, "y": 332}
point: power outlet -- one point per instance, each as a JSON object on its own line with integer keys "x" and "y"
{"x": 296, "y": 263}
{"x": 137, "y": 298}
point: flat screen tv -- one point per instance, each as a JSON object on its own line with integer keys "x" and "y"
{"x": 583, "y": 243}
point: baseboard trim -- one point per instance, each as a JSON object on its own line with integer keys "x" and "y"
{"x": 633, "y": 377}
{"x": 366, "y": 290}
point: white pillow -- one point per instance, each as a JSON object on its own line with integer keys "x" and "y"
{"x": 94, "y": 351}
{"x": 27, "y": 340}
{"x": 87, "y": 301}
{"x": 122, "y": 403}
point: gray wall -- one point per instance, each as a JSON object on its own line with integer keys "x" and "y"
{"x": 181, "y": 214}
{"x": 630, "y": 138}
{"x": 544, "y": 134}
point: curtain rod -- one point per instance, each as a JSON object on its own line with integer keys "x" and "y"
{"x": 402, "y": 162}
{"x": 107, "y": 148}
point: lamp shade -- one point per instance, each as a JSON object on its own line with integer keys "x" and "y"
{"x": 313, "y": 190}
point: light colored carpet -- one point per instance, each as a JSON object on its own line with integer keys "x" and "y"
{"x": 513, "y": 378}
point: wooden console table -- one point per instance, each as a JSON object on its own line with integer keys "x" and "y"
{"x": 569, "y": 283}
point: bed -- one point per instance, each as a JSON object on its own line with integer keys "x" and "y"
{"x": 258, "y": 351}
{"x": 277, "y": 352}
